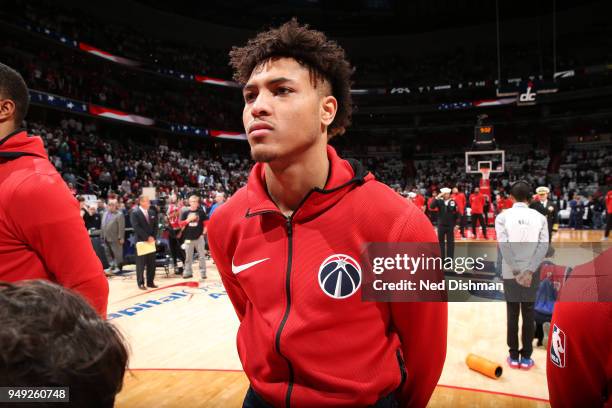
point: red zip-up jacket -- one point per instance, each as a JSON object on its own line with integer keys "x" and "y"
{"x": 419, "y": 201}
{"x": 477, "y": 202}
{"x": 299, "y": 345}
{"x": 42, "y": 235}
{"x": 460, "y": 200}
{"x": 579, "y": 358}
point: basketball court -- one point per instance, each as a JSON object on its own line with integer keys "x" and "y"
{"x": 182, "y": 338}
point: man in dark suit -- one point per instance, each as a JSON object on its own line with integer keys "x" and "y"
{"x": 546, "y": 207}
{"x": 144, "y": 222}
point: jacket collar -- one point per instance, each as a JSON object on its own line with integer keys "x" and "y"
{"x": 344, "y": 175}
{"x": 19, "y": 143}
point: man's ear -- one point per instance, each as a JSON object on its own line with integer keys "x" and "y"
{"x": 329, "y": 107}
{"x": 7, "y": 109}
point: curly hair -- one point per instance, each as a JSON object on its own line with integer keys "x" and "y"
{"x": 324, "y": 58}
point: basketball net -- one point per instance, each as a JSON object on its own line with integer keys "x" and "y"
{"x": 485, "y": 185}
{"x": 485, "y": 173}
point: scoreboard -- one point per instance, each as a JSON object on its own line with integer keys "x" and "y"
{"x": 484, "y": 134}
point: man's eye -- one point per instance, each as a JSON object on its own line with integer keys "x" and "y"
{"x": 248, "y": 97}
{"x": 283, "y": 91}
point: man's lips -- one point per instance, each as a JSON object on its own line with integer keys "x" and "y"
{"x": 259, "y": 132}
{"x": 259, "y": 129}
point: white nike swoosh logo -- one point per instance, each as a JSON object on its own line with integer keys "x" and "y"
{"x": 239, "y": 268}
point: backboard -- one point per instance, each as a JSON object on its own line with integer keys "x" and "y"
{"x": 491, "y": 159}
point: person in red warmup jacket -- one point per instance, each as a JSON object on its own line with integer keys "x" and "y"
{"x": 42, "y": 235}
{"x": 609, "y": 215}
{"x": 477, "y": 204}
{"x": 303, "y": 342}
{"x": 579, "y": 358}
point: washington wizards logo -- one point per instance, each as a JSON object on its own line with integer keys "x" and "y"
{"x": 339, "y": 276}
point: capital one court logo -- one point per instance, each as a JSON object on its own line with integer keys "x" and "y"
{"x": 558, "y": 347}
{"x": 339, "y": 276}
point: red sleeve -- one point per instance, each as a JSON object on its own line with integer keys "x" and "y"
{"x": 422, "y": 327}
{"x": 582, "y": 351}
{"x": 49, "y": 220}
{"x": 223, "y": 260}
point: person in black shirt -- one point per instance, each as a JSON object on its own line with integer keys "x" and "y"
{"x": 448, "y": 213}
{"x": 192, "y": 221}
{"x": 92, "y": 218}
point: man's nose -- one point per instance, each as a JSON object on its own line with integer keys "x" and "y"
{"x": 261, "y": 105}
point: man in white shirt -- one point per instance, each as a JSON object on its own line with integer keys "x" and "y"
{"x": 522, "y": 234}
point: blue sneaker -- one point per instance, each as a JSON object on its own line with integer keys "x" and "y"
{"x": 526, "y": 363}
{"x": 513, "y": 362}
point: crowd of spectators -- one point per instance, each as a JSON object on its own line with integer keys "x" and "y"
{"x": 92, "y": 164}
{"x": 121, "y": 39}
{"x": 586, "y": 167}
{"x": 96, "y": 163}
{"x": 89, "y": 79}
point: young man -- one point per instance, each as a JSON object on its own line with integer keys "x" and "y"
{"x": 522, "y": 234}
{"x": 304, "y": 209}
{"x": 42, "y": 234}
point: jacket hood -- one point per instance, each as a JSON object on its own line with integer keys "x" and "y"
{"x": 344, "y": 175}
{"x": 19, "y": 143}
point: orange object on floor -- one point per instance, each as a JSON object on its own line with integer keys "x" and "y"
{"x": 484, "y": 366}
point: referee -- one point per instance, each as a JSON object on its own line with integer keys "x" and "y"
{"x": 522, "y": 234}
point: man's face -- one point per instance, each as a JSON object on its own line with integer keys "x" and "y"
{"x": 219, "y": 198}
{"x": 112, "y": 207}
{"x": 91, "y": 210}
{"x": 455, "y": 190}
{"x": 446, "y": 196}
{"x": 476, "y": 190}
{"x": 145, "y": 203}
{"x": 284, "y": 114}
{"x": 543, "y": 196}
{"x": 193, "y": 203}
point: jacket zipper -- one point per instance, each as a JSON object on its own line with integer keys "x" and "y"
{"x": 402, "y": 367}
{"x": 289, "y": 227}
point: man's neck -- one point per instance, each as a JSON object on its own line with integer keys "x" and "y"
{"x": 288, "y": 184}
{"x": 6, "y": 129}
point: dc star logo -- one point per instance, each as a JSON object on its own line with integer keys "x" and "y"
{"x": 339, "y": 276}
